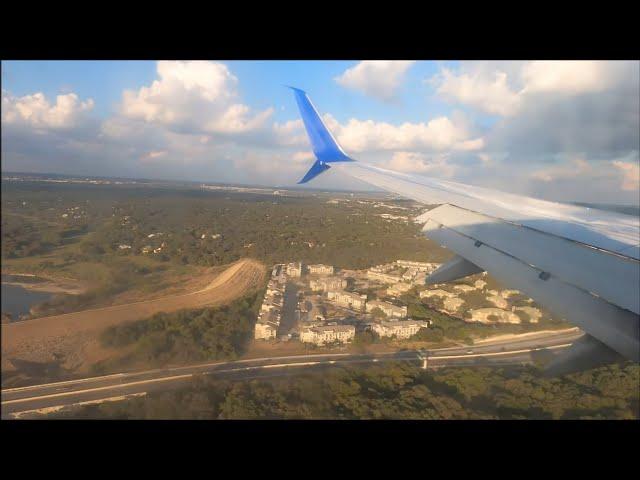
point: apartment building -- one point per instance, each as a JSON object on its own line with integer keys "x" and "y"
{"x": 320, "y": 269}
{"x": 401, "y": 329}
{"x": 383, "y": 277}
{"x": 265, "y": 331}
{"x": 464, "y": 288}
{"x": 398, "y": 289}
{"x": 424, "y": 266}
{"x": 498, "y": 301}
{"x": 389, "y": 309}
{"x": 480, "y": 284}
{"x": 328, "y": 334}
{"x": 354, "y": 301}
{"x": 508, "y": 293}
{"x": 493, "y": 315}
{"x": 328, "y": 283}
{"x": 452, "y": 304}
{"x": 437, "y": 292}
{"x": 294, "y": 269}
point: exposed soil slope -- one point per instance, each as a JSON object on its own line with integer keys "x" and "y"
{"x": 74, "y": 336}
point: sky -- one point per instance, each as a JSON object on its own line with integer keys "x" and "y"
{"x": 558, "y": 130}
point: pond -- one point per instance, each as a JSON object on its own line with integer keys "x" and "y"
{"x": 17, "y": 300}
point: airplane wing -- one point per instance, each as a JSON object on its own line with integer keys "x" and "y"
{"x": 581, "y": 263}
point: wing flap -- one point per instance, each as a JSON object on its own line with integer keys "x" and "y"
{"x": 571, "y": 262}
{"x": 612, "y": 325}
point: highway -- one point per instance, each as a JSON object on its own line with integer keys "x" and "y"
{"x": 22, "y": 401}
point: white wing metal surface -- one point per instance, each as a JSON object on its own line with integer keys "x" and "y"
{"x": 609, "y": 231}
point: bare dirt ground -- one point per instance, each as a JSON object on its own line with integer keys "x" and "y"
{"x": 49, "y": 284}
{"x": 74, "y": 336}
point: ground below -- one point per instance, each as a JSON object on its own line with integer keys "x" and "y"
{"x": 72, "y": 340}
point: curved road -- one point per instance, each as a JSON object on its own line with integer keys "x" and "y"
{"x": 55, "y": 396}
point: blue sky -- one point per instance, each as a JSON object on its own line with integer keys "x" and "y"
{"x": 104, "y": 81}
{"x": 557, "y": 130}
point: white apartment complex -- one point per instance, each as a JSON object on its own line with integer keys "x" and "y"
{"x": 452, "y": 304}
{"x": 328, "y": 334}
{"x": 389, "y": 309}
{"x": 265, "y": 331}
{"x": 464, "y": 288}
{"x": 401, "y": 329}
{"x": 383, "y": 277}
{"x": 294, "y": 269}
{"x": 398, "y": 289}
{"x": 480, "y": 284}
{"x": 268, "y": 319}
{"x": 436, "y": 293}
{"x": 498, "y": 301}
{"x": 424, "y": 266}
{"x": 354, "y": 301}
{"x": 325, "y": 284}
{"x": 320, "y": 269}
{"x": 497, "y": 315}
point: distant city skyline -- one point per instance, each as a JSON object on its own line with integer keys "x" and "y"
{"x": 565, "y": 131}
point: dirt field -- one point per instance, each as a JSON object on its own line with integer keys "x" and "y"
{"x": 74, "y": 336}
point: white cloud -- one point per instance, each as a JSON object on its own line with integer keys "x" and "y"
{"x": 630, "y": 174}
{"x": 470, "y": 145}
{"x": 575, "y": 76}
{"x": 303, "y": 157}
{"x": 290, "y": 133}
{"x": 488, "y": 87}
{"x": 486, "y": 160}
{"x": 193, "y": 96}
{"x": 576, "y": 167}
{"x": 438, "y": 134}
{"x": 153, "y": 155}
{"x": 377, "y": 78}
{"x": 490, "y": 93}
{"x": 37, "y": 112}
{"x": 414, "y": 162}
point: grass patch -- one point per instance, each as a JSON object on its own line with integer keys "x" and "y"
{"x": 220, "y": 333}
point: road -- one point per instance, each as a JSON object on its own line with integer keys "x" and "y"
{"x": 44, "y": 398}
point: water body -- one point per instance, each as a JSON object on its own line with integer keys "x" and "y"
{"x": 17, "y": 300}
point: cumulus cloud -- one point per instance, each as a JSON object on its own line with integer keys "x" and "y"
{"x": 153, "y": 155}
{"x": 576, "y": 167}
{"x": 486, "y": 159}
{"x": 305, "y": 157}
{"x": 289, "y": 133}
{"x": 488, "y": 93}
{"x": 358, "y": 136}
{"x": 488, "y": 87}
{"x": 576, "y": 76}
{"x": 630, "y": 172}
{"x": 438, "y": 134}
{"x": 413, "y": 162}
{"x": 37, "y": 111}
{"x": 570, "y": 124}
{"x": 193, "y": 97}
{"x": 577, "y": 179}
{"x": 376, "y": 78}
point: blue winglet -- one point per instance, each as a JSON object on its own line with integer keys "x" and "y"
{"x": 325, "y": 147}
{"x": 317, "y": 168}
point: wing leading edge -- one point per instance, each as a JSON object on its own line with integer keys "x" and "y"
{"x": 581, "y": 263}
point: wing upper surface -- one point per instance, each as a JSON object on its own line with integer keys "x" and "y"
{"x": 609, "y": 231}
